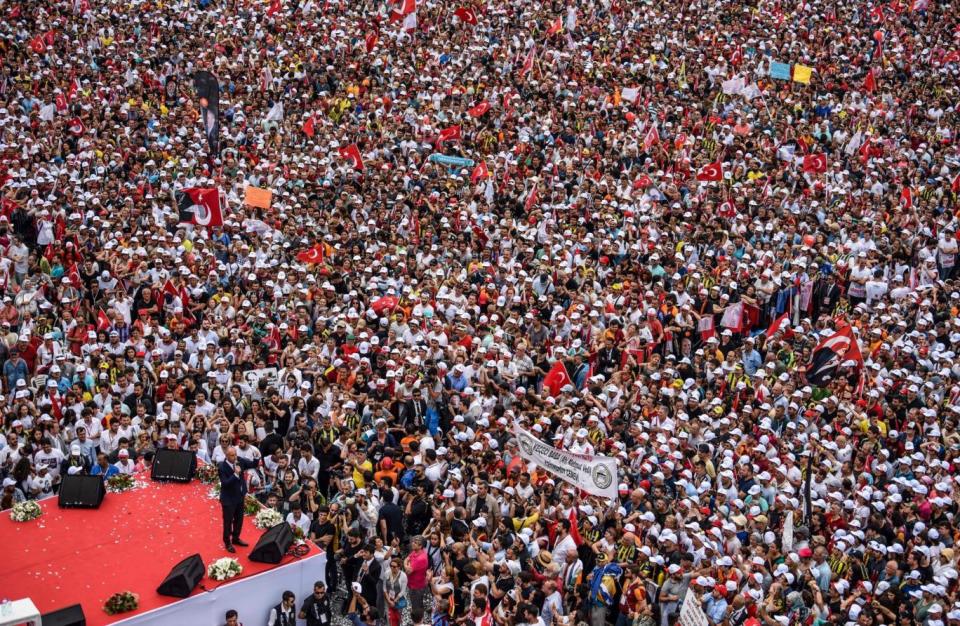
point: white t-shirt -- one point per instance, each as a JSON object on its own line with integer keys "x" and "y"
{"x": 303, "y": 522}
{"x": 51, "y": 461}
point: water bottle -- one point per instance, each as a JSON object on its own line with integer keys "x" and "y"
{"x": 6, "y": 608}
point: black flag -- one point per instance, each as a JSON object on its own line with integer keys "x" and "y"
{"x": 208, "y": 92}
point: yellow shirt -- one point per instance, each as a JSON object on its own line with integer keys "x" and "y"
{"x": 358, "y": 473}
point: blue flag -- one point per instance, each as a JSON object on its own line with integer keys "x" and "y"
{"x": 780, "y": 71}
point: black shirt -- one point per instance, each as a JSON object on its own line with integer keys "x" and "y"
{"x": 316, "y": 612}
{"x": 393, "y": 516}
{"x": 320, "y": 530}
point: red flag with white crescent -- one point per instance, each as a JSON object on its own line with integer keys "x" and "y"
{"x": 531, "y": 200}
{"x": 200, "y": 206}
{"x": 651, "y": 138}
{"x": 352, "y": 153}
{"x": 38, "y": 45}
{"x": 479, "y": 110}
{"x": 309, "y": 127}
{"x": 906, "y": 198}
{"x": 815, "y": 163}
{"x": 77, "y": 126}
{"x": 449, "y": 133}
{"x": 727, "y": 209}
{"x": 528, "y": 61}
{"x": 61, "y": 102}
{"x": 313, "y": 254}
{"x": 480, "y": 172}
{"x": 711, "y": 172}
{"x": 466, "y": 15}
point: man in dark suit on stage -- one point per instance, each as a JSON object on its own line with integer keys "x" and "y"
{"x": 233, "y": 490}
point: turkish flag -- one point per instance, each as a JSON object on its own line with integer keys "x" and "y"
{"x": 49, "y": 37}
{"x": 651, "y": 138}
{"x": 309, "y": 128}
{"x": 528, "y": 61}
{"x": 556, "y": 378}
{"x": 815, "y": 163}
{"x": 531, "y": 200}
{"x": 679, "y": 140}
{"x": 711, "y": 172}
{"x": 870, "y": 82}
{"x": 727, "y": 209}
{"x": 555, "y": 27}
{"x": 779, "y": 324}
{"x": 274, "y": 7}
{"x": 169, "y": 289}
{"x": 478, "y": 110}
{"x": 38, "y": 45}
{"x": 906, "y": 198}
{"x": 77, "y": 126}
{"x": 352, "y": 153}
{"x": 371, "y": 40}
{"x": 737, "y": 57}
{"x": 311, "y": 255}
{"x": 74, "y": 88}
{"x": 55, "y": 405}
{"x": 103, "y": 322}
{"x": 409, "y": 6}
{"x": 479, "y": 172}
{"x": 448, "y": 134}
{"x": 575, "y": 528}
{"x": 74, "y": 276}
{"x": 61, "y": 101}
{"x": 955, "y": 185}
{"x": 386, "y": 303}
{"x": 876, "y": 15}
{"x": 199, "y": 206}
{"x": 466, "y": 15}
{"x": 643, "y": 181}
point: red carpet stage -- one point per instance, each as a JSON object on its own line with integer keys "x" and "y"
{"x": 130, "y": 543}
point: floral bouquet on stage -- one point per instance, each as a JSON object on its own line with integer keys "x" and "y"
{"x": 267, "y": 518}
{"x": 26, "y": 511}
{"x": 121, "y": 603}
{"x": 118, "y": 483}
{"x": 299, "y": 537}
{"x": 251, "y": 506}
{"x": 224, "y": 569}
{"x": 208, "y": 474}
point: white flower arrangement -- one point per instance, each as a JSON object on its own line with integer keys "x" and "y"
{"x": 224, "y": 569}
{"x": 25, "y": 511}
{"x": 267, "y": 518}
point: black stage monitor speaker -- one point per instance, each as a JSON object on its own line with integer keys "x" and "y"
{"x": 173, "y": 465}
{"x": 67, "y": 616}
{"x": 81, "y": 492}
{"x": 273, "y": 545}
{"x": 184, "y": 576}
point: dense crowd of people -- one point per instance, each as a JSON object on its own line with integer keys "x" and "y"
{"x": 750, "y": 283}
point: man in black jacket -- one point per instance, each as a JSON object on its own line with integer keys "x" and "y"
{"x": 369, "y": 575}
{"x": 233, "y": 490}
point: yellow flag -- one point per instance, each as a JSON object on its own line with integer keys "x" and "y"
{"x": 802, "y": 73}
